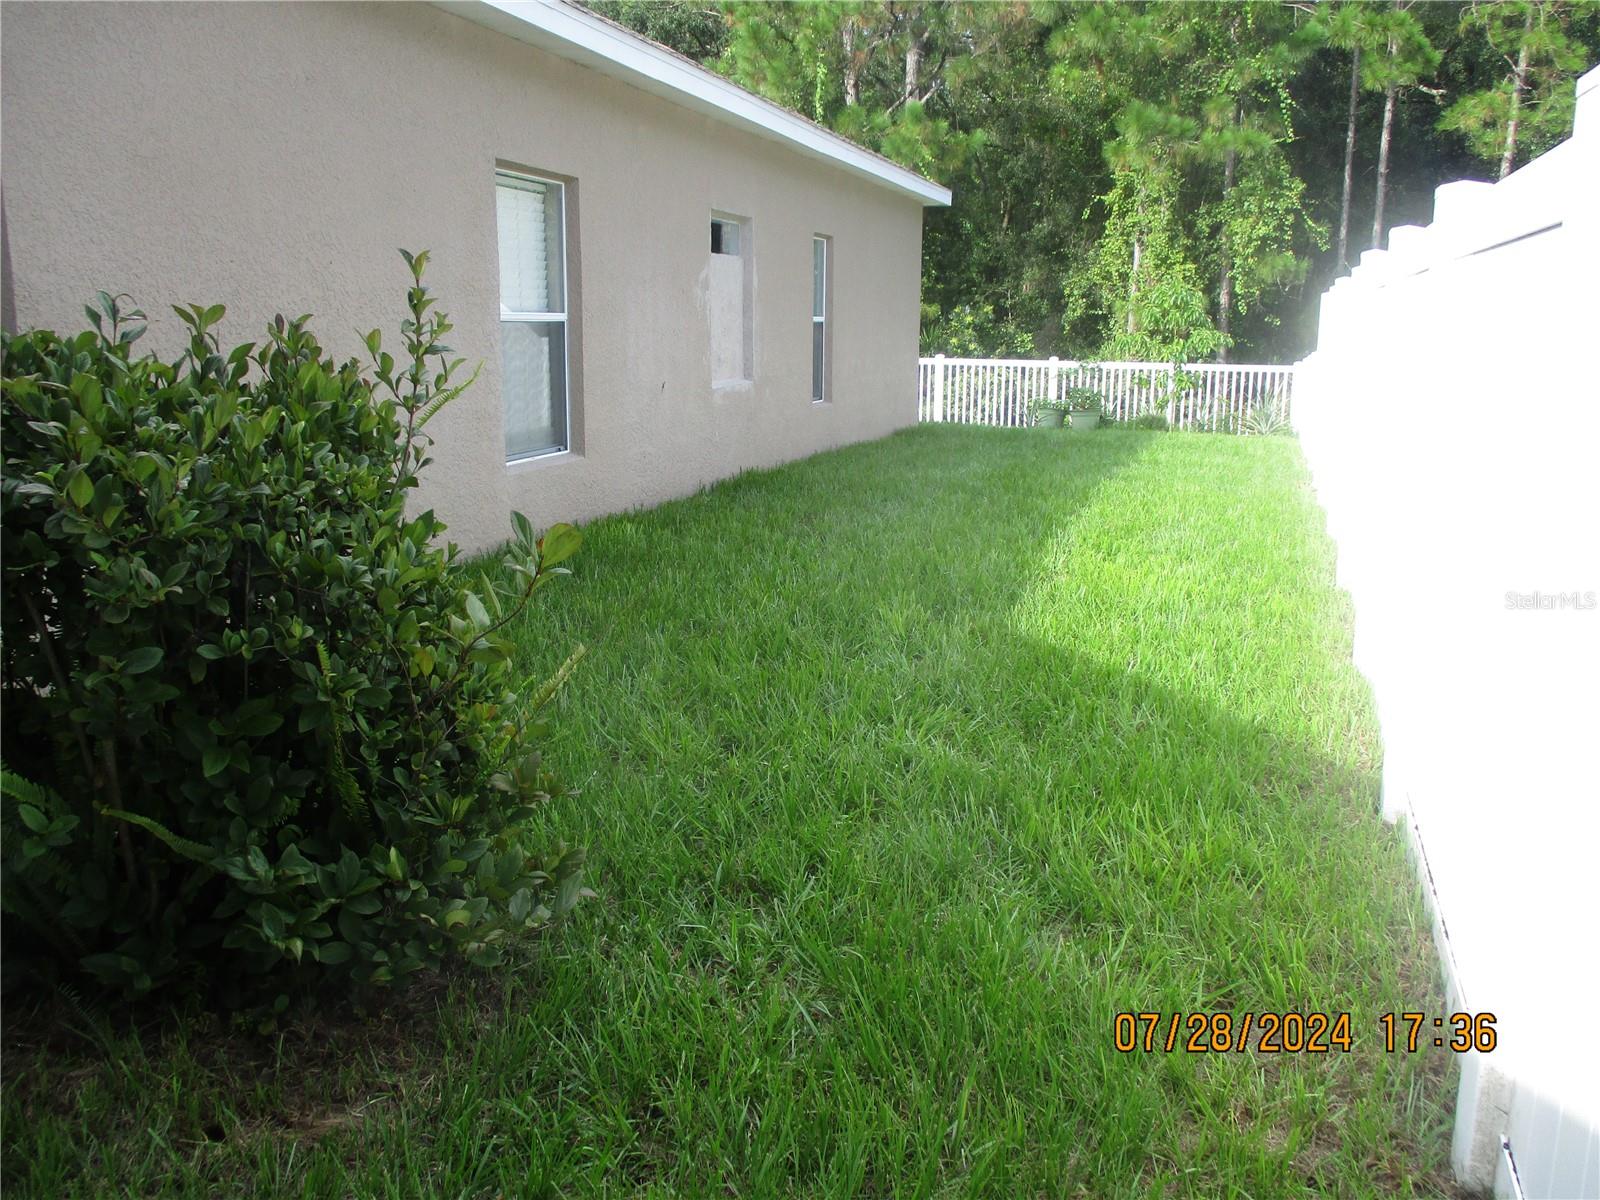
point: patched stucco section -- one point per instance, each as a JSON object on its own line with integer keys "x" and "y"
{"x": 728, "y": 305}
{"x": 145, "y": 152}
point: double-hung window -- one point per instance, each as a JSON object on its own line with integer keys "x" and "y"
{"x": 531, "y": 216}
{"x": 819, "y": 319}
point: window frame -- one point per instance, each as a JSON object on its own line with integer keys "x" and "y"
{"x": 820, "y": 392}
{"x": 542, "y": 318}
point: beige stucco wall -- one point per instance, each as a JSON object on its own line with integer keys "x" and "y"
{"x": 272, "y": 158}
{"x": 725, "y": 313}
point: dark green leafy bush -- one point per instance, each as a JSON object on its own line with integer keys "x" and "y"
{"x": 260, "y": 728}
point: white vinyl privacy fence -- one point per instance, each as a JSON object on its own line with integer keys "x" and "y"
{"x": 1450, "y": 417}
{"x": 1217, "y": 397}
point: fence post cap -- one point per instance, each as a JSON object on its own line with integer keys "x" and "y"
{"x": 939, "y": 355}
{"x": 1054, "y": 359}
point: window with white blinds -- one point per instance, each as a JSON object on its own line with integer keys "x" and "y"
{"x": 531, "y": 219}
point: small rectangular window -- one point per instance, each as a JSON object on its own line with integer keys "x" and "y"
{"x": 531, "y": 218}
{"x": 819, "y": 319}
{"x": 724, "y": 237}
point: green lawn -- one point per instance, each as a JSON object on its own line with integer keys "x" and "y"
{"x": 902, "y": 769}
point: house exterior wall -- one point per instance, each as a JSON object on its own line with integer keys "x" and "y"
{"x": 273, "y": 157}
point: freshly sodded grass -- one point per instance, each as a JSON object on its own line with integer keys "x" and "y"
{"x": 902, "y": 770}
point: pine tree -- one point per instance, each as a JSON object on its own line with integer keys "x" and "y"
{"x": 1530, "y": 107}
{"x": 1408, "y": 58}
{"x": 1358, "y": 28}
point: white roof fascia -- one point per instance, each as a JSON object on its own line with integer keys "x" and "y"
{"x": 570, "y": 32}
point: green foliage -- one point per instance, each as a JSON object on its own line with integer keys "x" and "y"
{"x": 1268, "y": 418}
{"x": 973, "y": 331}
{"x": 1403, "y": 55}
{"x": 921, "y": 759}
{"x": 1082, "y": 399}
{"x": 1046, "y": 412}
{"x": 1069, "y": 133}
{"x": 259, "y": 725}
{"x": 1168, "y": 317}
{"x": 691, "y": 29}
{"x": 1261, "y": 219}
{"x": 1533, "y": 39}
{"x": 1144, "y": 282}
{"x": 1203, "y": 215}
{"x": 1150, "y": 420}
{"x": 1360, "y": 27}
{"x": 872, "y": 72}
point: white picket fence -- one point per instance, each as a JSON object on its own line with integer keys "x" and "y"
{"x": 1214, "y": 397}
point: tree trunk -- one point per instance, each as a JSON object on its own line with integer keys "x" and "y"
{"x": 913, "y": 68}
{"x": 1133, "y": 282}
{"x": 1383, "y": 166}
{"x": 852, "y": 69}
{"x": 1519, "y": 84}
{"x": 1230, "y": 169}
{"x": 1349, "y": 159}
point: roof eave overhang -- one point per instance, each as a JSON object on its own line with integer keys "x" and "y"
{"x": 568, "y": 31}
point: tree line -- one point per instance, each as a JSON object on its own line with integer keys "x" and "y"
{"x": 1157, "y": 181}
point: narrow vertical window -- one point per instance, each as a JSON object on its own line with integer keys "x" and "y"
{"x": 729, "y": 302}
{"x": 819, "y": 319}
{"x": 531, "y": 215}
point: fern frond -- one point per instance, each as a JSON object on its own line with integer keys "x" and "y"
{"x": 92, "y": 1027}
{"x": 344, "y": 780}
{"x": 25, "y": 791}
{"x": 553, "y": 685}
{"x": 345, "y": 785}
{"x": 446, "y": 396}
{"x": 204, "y": 855}
{"x": 24, "y": 894}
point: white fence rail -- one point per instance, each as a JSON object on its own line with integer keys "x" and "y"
{"x": 1216, "y": 397}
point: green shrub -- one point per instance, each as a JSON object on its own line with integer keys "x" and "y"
{"x": 973, "y": 331}
{"x": 261, "y": 729}
{"x": 1043, "y": 410}
{"x": 1150, "y": 420}
{"x": 1082, "y": 399}
{"x": 1270, "y": 418}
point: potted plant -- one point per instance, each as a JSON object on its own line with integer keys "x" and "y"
{"x": 1083, "y": 405}
{"x": 1049, "y": 414}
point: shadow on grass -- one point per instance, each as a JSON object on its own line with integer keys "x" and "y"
{"x": 904, "y": 769}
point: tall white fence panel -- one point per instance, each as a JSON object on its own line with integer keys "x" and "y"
{"x": 1451, "y": 419}
{"x": 1218, "y": 397}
